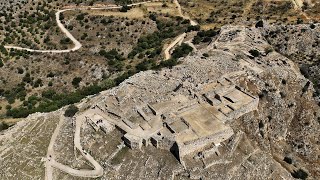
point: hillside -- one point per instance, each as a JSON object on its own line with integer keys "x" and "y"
{"x": 173, "y": 89}
{"x": 277, "y": 139}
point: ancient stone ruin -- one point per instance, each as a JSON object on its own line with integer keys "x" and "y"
{"x": 187, "y": 120}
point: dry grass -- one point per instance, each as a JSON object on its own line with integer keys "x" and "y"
{"x": 215, "y": 13}
{"x": 157, "y": 7}
{"x": 133, "y": 13}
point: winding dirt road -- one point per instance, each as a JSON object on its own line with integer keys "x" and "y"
{"x": 167, "y": 53}
{"x": 179, "y": 39}
{"x": 77, "y": 44}
{"x": 193, "y": 23}
{"x": 297, "y": 3}
{"x": 50, "y": 161}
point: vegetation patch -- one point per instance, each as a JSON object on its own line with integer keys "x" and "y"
{"x": 71, "y": 111}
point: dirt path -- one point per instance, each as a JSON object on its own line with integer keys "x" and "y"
{"x": 180, "y": 38}
{"x": 77, "y": 44}
{"x": 297, "y": 3}
{"x": 50, "y": 152}
{"x": 193, "y": 23}
{"x": 50, "y": 161}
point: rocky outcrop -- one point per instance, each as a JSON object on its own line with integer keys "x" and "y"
{"x": 278, "y": 139}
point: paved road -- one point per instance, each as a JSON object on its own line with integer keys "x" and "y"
{"x": 77, "y": 44}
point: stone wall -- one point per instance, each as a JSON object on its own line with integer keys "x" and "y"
{"x": 253, "y": 105}
{"x": 198, "y": 144}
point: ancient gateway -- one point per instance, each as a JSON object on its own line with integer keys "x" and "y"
{"x": 189, "y": 120}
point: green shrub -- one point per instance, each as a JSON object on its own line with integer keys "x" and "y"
{"x": 124, "y": 8}
{"x": 76, "y": 81}
{"x": 300, "y": 174}
{"x": 259, "y": 24}
{"x": 254, "y": 53}
{"x": 168, "y": 63}
{"x": 3, "y": 126}
{"x": 205, "y": 36}
{"x": 182, "y": 51}
{"x": 71, "y": 111}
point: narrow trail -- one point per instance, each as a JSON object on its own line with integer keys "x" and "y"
{"x": 50, "y": 161}
{"x": 181, "y": 37}
{"x": 178, "y": 39}
{"x": 50, "y": 152}
{"x": 297, "y": 4}
{"x": 77, "y": 44}
{"x": 193, "y": 23}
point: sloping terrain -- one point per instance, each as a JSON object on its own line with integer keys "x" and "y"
{"x": 114, "y": 45}
{"x": 300, "y": 43}
{"x": 280, "y": 139}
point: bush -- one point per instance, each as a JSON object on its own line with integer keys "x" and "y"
{"x": 48, "y": 94}
{"x": 268, "y": 50}
{"x": 205, "y": 55}
{"x": 259, "y": 24}
{"x": 205, "y": 36}
{"x": 312, "y": 26}
{"x": 65, "y": 41}
{"x": 75, "y": 82}
{"x": 193, "y": 28}
{"x": 20, "y": 70}
{"x": 287, "y": 160}
{"x": 113, "y": 54}
{"x": 182, "y": 51}
{"x": 300, "y": 174}
{"x": 124, "y": 8}
{"x": 168, "y": 63}
{"x": 19, "y": 112}
{"x": 254, "y": 53}
{"x": 80, "y": 17}
{"x": 3, "y": 126}
{"x": 71, "y": 111}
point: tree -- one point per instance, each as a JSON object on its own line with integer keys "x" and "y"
{"x": 259, "y": 24}
{"x": 75, "y": 82}
{"x": 1, "y": 63}
{"x": 312, "y": 26}
{"x": 71, "y": 111}
{"x": 181, "y": 51}
{"x": 3, "y": 126}
{"x": 301, "y": 174}
{"x": 254, "y": 53}
{"x": 124, "y": 8}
